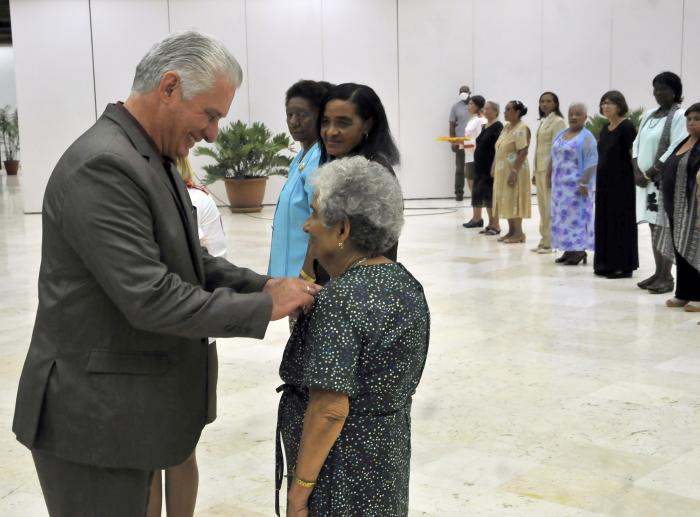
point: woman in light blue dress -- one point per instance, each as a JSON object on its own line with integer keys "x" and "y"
{"x": 573, "y": 165}
{"x": 289, "y": 241}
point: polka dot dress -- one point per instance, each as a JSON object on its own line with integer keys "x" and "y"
{"x": 367, "y": 337}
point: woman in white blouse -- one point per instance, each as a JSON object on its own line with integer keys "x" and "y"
{"x": 471, "y": 132}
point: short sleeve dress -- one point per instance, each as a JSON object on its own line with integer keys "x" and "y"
{"x": 511, "y": 202}
{"x": 367, "y": 337}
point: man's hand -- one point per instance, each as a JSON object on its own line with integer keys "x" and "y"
{"x": 289, "y": 295}
{"x": 454, "y": 147}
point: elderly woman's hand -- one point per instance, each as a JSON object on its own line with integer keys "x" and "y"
{"x": 582, "y": 190}
{"x": 297, "y": 507}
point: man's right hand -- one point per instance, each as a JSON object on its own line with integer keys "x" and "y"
{"x": 289, "y": 295}
{"x": 455, "y": 147}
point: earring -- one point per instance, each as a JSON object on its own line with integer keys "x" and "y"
{"x": 340, "y": 245}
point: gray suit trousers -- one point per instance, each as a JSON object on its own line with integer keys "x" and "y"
{"x": 76, "y": 490}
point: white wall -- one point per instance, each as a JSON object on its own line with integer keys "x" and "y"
{"x": 55, "y": 86}
{"x": 8, "y": 95}
{"x": 414, "y": 53}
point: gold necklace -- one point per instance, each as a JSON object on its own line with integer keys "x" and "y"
{"x": 359, "y": 261}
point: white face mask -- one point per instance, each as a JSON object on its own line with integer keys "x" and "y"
{"x": 464, "y": 96}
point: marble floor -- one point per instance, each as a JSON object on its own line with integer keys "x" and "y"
{"x": 548, "y": 391}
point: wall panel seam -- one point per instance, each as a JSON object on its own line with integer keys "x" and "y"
{"x": 92, "y": 58}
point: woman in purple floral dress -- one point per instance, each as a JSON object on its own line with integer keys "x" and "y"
{"x": 573, "y": 165}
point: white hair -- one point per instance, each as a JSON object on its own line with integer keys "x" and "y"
{"x": 367, "y": 195}
{"x": 495, "y": 106}
{"x": 581, "y": 105}
{"x": 197, "y": 58}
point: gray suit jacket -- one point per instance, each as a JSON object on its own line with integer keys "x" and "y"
{"x": 116, "y": 374}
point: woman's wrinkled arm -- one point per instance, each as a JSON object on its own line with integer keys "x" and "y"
{"x": 323, "y": 421}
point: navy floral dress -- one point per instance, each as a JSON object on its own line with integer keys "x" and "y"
{"x": 367, "y": 337}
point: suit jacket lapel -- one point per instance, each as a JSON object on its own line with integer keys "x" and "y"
{"x": 170, "y": 178}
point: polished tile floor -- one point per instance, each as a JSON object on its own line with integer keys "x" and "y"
{"x": 548, "y": 391}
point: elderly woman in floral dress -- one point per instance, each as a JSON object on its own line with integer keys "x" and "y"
{"x": 573, "y": 166}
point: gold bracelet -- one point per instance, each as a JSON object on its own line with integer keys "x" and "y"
{"x": 304, "y": 483}
{"x": 305, "y": 276}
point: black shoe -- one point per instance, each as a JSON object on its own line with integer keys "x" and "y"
{"x": 563, "y": 258}
{"x": 459, "y": 198}
{"x": 665, "y": 286}
{"x": 576, "y": 257}
{"x": 619, "y": 274}
{"x": 644, "y": 284}
{"x": 473, "y": 224}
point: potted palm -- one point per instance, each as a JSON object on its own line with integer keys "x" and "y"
{"x": 9, "y": 139}
{"x": 245, "y": 156}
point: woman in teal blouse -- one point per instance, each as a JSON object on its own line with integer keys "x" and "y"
{"x": 289, "y": 242}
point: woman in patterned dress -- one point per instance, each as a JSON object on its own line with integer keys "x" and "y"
{"x": 511, "y": 173}
{"x": 573, "y": 166}
{"x": 660, "y": 131}
{"x": 352, "y": 364}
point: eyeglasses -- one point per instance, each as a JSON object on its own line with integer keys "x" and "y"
{"x": 607, "y": 103}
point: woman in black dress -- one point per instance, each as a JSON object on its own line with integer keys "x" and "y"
{"x": 485, "y": 150}
{"x": 352, "y": 364}
{"x": 616, "y": 253}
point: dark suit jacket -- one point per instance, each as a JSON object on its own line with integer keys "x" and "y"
{"x": 116, "y": 374}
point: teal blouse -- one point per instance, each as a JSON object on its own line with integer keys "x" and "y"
{"x": 289, "y": 241}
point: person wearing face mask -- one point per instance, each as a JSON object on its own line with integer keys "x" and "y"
{"x": 459, "y": 115}
{"x": 353, "y": 122}
{"x": 660, "y": 131}
{"x": 574, "y": 158}
{"x": 289, "y": 241}
{"x": 552, "y": 122}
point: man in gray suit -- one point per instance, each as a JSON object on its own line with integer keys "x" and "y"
{"x": 116, "y": 379}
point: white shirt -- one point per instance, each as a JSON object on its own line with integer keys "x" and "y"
{"x": 471, "y": 131}
{"x": 211, "y": 229}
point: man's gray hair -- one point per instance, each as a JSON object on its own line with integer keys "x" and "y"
{"x": 367, "y": 195}
{"x": 197, "y": 58}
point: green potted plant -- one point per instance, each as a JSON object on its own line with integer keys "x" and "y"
{"x": 9, "y": 138}
{"x": 245, "y": 156}
{"x": 597, "y": 122}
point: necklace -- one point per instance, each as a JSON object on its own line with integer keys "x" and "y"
{"x": 358, "y": 262}
{"x": 302, "y": 164}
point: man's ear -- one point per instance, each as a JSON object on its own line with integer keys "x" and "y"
{"x": 169, "y": 83}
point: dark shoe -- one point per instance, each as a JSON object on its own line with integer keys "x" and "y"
{"x": 459, "y": 198}
{"x": 665, "y": 286}
{"x": 474, "y": 224}
{"x": 602, "y": 273}
{"x": 492, "y": 231}
{"x": 619, "y": 274}
{"x": 644, "y": 284}
{"x": 563, "y": 258}
{"x": 576, "y": 257}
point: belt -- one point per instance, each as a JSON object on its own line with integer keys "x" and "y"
{"x": 279, "y": 458}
